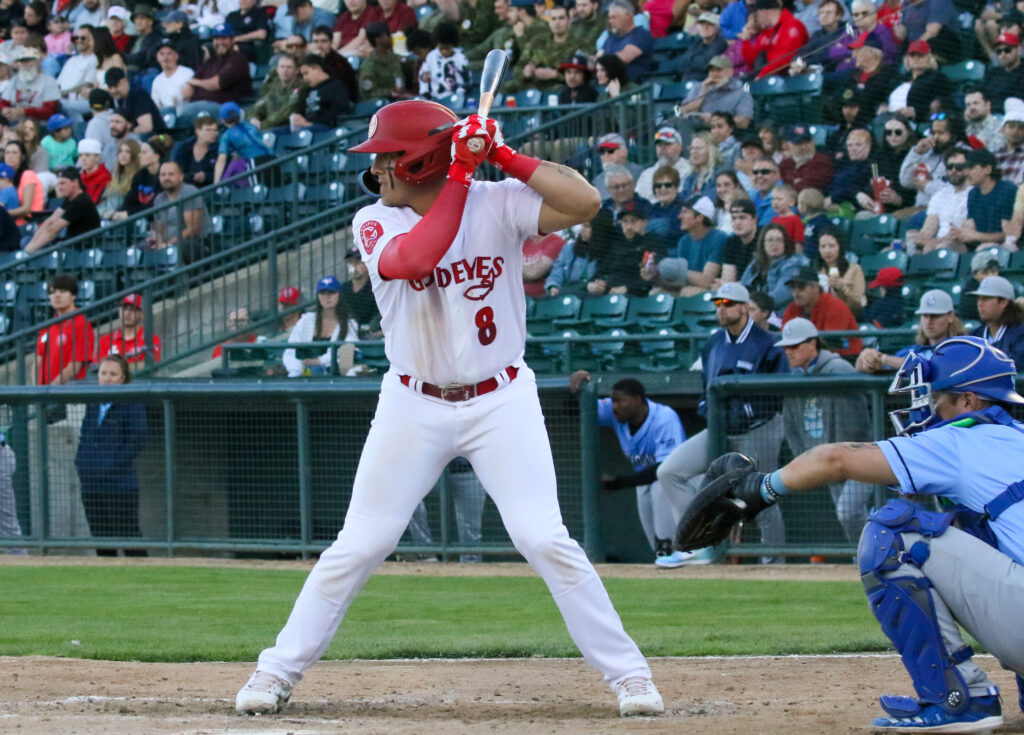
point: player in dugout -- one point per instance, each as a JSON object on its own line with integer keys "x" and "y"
{"x": 445, "y": 258}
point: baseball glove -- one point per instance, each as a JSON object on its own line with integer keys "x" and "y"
{"x": 731, "y": 493}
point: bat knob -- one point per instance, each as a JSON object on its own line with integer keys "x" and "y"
{"x": 475, "y": 144}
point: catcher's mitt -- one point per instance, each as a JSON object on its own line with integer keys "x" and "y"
{"x": 731, "y": 493}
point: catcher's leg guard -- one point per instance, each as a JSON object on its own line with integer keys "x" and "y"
{"x": 1020, "y": 691}
{"x": 906, "y": 610}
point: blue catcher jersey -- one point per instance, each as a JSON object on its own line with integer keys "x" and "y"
{"x": 969, "y": 465}
{"x": 653, "y": 442}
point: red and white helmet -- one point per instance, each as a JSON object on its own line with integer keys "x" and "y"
{"x": 419, "y": 130}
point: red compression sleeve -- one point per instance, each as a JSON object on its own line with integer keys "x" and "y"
{"x": 515, "y": 164}
{"x": 414, "y": 254}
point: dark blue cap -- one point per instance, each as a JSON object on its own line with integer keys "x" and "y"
{"x": 58, "y": 121}
{"x": 328, "y": 283}
{"x": 223, "y": 30}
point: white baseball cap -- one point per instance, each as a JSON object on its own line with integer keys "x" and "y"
{"x": 90, "y": 145}
{"x": 995, "y": 286}
{"x": 1014, "y": 110}
{"x": 935, "y": 301}
{"x": 797, "y": 331}
{"x": 116, "y": 11}
{"x": 702, "y": 205}
{"x": 734, "y": 291}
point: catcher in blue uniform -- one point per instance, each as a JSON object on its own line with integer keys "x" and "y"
{"x": 924, "y": 572}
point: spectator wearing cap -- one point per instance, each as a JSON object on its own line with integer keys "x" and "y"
{"x": 185, "y": 226}
{"x": 938, "y": 322}
{"x": 135, "y": 105}
{"x": 60, "y": 146}
{"x": 117, "y": 20}
{"x": 668, "y": 146}
{"x": 695, "y": 262}
{"x": 10, "y": 236}
{"x": 141, "y": 59}
{"x": 330, "y": 321}
{"x": 224, "y": 78}
{"x": 31, "y": 93}
{"x": 252, "y": 27}
{"x": 95, "y": 175}
{"x": 631, "y": 43}
{"x": 578, "y": 89}
{"x": 300, "y": 20}
{"x": 992, "y": 21}
{"x": 357, "y": 295}
{"x": 350, "y": 27}
{"x": 720, "y": 92}
{"x": 827, "y": 312}
{"x": 947, "y": 208}
{"x": 1001, "y": 316}
{"x": 325, "y": 100}
{"x": 934, "y": 21}
{"x": 771, "y": 31}
{"x": 78, "y": 75}
{"x": 76, "y": 214}
{"x": 288, "y": 299}
{"x": 811, "y": 420}
{"x": 981, "y": 123}
{"x": 239, "y": 144}
{"x": 185, "y": 42}
{"x": 99, "y": 126}
{"x": 1006, "y": 78}
{"x": 1011, "y": 154}
{"x": 984, "y": 263}
{"x": 885, "y": 306}
{"x": 989, "y": 202}
{"x": 129, "y": 338}
{"x": 872, "y": 77}
{"x": 613, "y": 151}
{"x": 280, "y": 95}
{"x": 740, "y": 246}
{"x": 169, "y": 83}
{"x": 693, "y": 62}
{"x": 618, "y": 264}
{"x": 753, "y": 424}
{"x": 805, "y": 167}
{"x": 927, "y": 87}
{"x": 8, "y": 192}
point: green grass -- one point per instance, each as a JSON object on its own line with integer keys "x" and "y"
{"x": 213, "y": 614}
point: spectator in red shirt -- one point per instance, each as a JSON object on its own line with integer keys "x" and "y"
{"x": 804, "y": 167}
{"x": 397, "y": 15}
{"x": 129, "y": 339}
{"x": 65, "y": 349}
{"x": 826, "y": 312}
{"x": 95, "y": 175}
{"x": 350, "y": 28}
{"x": 224, "y": 78}
{"x": 117, "y": 20}
{"x": 238, "y": 319}
{"x": 771, "y": 38}
{"x": 539, "y": 254}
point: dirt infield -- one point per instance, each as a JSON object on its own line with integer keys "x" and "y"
{"x": 717, "y": 696}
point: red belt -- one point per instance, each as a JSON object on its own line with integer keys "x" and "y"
{"x": 458, "y": 393}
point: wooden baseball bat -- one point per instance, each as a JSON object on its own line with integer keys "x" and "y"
{"x": 491, "y": 77}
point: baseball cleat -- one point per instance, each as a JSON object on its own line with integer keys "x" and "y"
{"x": 982, "y": 715}
{"x": 263, "y": 694}
{"x": 700, "y": 557}
{"x": 638, "y": 696}
{"x": 673, "y": 560}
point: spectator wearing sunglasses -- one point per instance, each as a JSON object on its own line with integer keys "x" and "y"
{"x": 947, "y": 208}
{"x": 668, "y": 146}
{"x": 1007, "y": 78}
{"x": 613, "y": 151}
{"x": 924, "y": 166}
{"x": 989, "y": 203}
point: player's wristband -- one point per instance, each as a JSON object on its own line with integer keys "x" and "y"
{"x": 458, "y": 172}
{"x": 515, "y": 164}
{"x": 772, "y": 487}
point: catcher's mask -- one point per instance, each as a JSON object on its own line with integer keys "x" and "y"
{"x": 957, "y": 365}
{"x": 418, "y": 130}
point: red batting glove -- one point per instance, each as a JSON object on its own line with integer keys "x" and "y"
{"x": 506, "y": 159}
{"x": 465, "y": 160}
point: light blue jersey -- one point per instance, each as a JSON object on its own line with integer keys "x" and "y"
{"x": 968, "y": 465}
{"x": 660, "y": 433}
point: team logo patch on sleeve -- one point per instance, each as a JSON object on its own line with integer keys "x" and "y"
{"x": 369, "y": 234}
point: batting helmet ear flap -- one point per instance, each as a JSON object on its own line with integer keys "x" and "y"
{"x": 369, "y": 184}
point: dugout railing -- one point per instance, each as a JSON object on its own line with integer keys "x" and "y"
{"x": 246, "y": 469}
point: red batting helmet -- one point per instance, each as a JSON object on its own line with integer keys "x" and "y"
{"x": 420, "y": 131}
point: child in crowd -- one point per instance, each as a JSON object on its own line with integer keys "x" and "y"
{"x": 58, "y": 40}
{"x": 240, "y": 144}
{"x": 8, "y": 194}
{"x": 60, "y": 146}
{"x": 784, "y": 205}
{"x": 810, "y": 204}
{"x": 762, "y": 312}
{"x": 445, "y": 70}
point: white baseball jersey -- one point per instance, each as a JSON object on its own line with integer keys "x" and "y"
{"x": 467, "y": 321}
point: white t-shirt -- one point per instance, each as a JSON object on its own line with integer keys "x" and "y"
{"x": 78, "y": 70}
{"x": 950, "y": 206}
{"x": 467, "y": 321}
{"x": 166, "y": 90}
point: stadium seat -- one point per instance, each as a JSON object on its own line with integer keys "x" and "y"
{"x": 32, "y": 305}
{"x": 291, "y": 142}
{"x": 844, "y": 226}
{"x": 695, "y": 311}
{"x": 597, "y": 312}
{"x": 8, "y": 297}
{"x": 454, "y": 101}
{"x": 368, "y": 107}
{"x": 162, "y": 261}
{"x": 527, "y": 98}
{"x": 1016, "y": 262}
{"x": 559, "y": 307}
{"x": 319, "y": 198}
{"x": 674, "y": 92}
{"x": 672, "y": 44}
{"x": 870, "y": 234}
{"x": 650, "y": 311}
{"x": 964, "y": 73}
{"x": 821, "y": 133}
{"x": 788, "y": 100}
{"x": 933, "y": 266}
{"x": 871, "y": 264}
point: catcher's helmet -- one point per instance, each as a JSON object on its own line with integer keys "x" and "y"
{"x": 421, "y": 131}
{"x": 957, "y": 365}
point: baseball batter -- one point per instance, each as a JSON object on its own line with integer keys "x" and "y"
{"x": 925, "y": 572}
{"x": 445, "y": 257}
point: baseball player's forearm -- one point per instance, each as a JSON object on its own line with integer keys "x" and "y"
{"x": 569, "y": 199}
{"x": 827, "y": 464}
